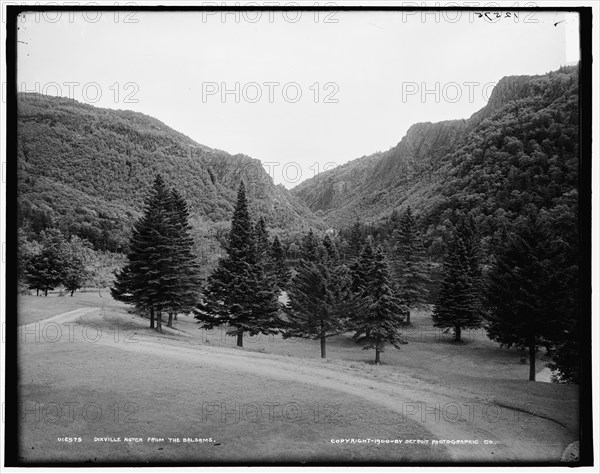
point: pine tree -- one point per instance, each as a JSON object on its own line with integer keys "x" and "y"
{"x": 151, "y": 279}
{"x": 409, "y": 263}
{"x": 382, "y": 315}
{"x": 458, "y": 304}
{"x": 123, "y": 285}
{"x": 359, "y": 272}
{"x": 240, "y": 292}
{"x": 184, "y": 260}
{"x": 561, "y": 225}
{"x": 524, "y": 293}
{"x": 265, "y": 297}
{"x": 361, "y": 267}
{"x": 355, "y": 242}
{"x": 318, "y": 295}
{"x": 280, "y": 268}
{"x": 310, "y": 248}
{"x": 330, "y": 250}
{"x": 152, "y": 254}
{"x": 261, "y": 241}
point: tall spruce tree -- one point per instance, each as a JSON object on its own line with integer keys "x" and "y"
{"x": 280, "y": 268}
{"x": 187, "y": 270}
{"x": 409, "y": 265}
{"x": 318, "y": 295}
{"x": 240, "y": 292}
{"x": 355, "y": 241}
{"x": 265, "y": 301}
{"x": 458, "y": 304}
{"x": 261, "y": 241}
{"x": 161, "y": 274}
{"x": 561, "y": 223}
{"x": 360, "y": 270}
{"x": 310, "y": 248}
{"x": 382, "y": 315}
{"x": 151, "y": 277}
{"x": 524, "y": 292}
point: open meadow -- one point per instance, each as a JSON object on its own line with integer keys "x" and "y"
{"x": 96, "y": 384}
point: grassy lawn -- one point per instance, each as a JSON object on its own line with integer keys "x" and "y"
{"x": 477, "y": 365}
{"x": 428, "y": 349}
{"x": 78, "y": 388}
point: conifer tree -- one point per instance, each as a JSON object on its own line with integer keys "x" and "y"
{"x": 240, "y": 292}
{"x": 330, "y": 250}
{"x": 361, "y": 268}
{"x": 359, "y": 274}
{"x": 458, "y": 304}
{"x": 161, "y": 273}
{"x": 261, "y": 241}
{"x": 122, "y": 286}
{"x": 382, "y": 314}
{"x": 355, "y": 242}
{"x": 409, "y": 263}
{"x": 524, "y": 293}
{"x": 265, "y": 297}
{"x": 318, "y": 295}
{"x": 140, "y": 281}
{"x": 310, "y": 248}
{"x": 280, "y": 268}
{"x": 184, "y": 260}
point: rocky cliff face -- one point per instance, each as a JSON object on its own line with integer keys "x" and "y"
{"x": 372, "y": 187}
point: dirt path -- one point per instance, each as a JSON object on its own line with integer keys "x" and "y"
{"x": 67, "y": 317}
{"x": 449, "y": 414}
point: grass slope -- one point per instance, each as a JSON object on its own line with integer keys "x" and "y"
{"x": 274, "y": 400}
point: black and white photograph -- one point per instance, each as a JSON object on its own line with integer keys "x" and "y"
{"x": 296, "y": 234}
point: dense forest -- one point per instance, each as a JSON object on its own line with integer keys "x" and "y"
{"x": 85, "y": 170}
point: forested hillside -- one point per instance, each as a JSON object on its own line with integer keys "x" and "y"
{"x": 86, "y": 170}
{"x": 517, "y": 154}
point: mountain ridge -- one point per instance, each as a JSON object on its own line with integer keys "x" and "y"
{"x": 371, "y": 188}
{"x": 86, "y": 170}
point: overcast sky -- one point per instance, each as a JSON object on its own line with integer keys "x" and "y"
{"x": 307, "y": 89}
